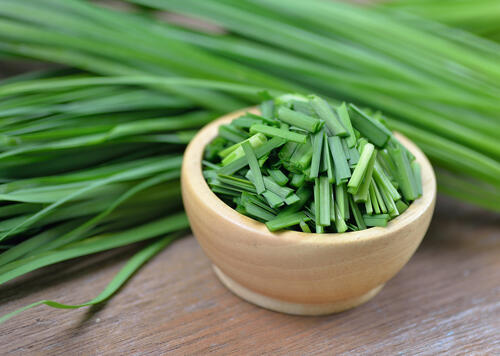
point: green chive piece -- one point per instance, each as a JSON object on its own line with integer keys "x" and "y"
{"x": 404, "y": 172}
{"x": 380, "y": 199}
{"x": 281, "y": 133}
{"x": 270, "y": 184}
{"x": 320, "y": 229}
{"x": 332, "y": 205}
{"x": 238, "y": 164}
{"x": 274, "y": 200}
{"x": 302, "y": 156}
{"x": 326, "y": 114}
{"x": 239, "y": 183}
{"x": 329, "y": 161}
{"x": 298, "y": 180}
{"x": 278, "y": 176}
{"x": 353, "y": 156}
{"x": 316, "y": 157}
{"x": 304, "y": 226}
{"x": 304, "y": 194}
{"x": 376, "y": 220}
{"x": 376, "y": 133}
{"x": 254, "y": 167}
{"x": 317, "y": 201}
{"x": 342, "y": 170}
{"x": 368, "y": 204}
{"x": 231, "y": 133}
{"x": 255, "y": 141}
{"x": 267, "y": 109}
{"x": 303, "y": 107}
{"x": 383, "y": 181}
{"x": 269, "y": 121}
{"x": 292, "y": 199}
{"x": 417, "y": 175}
{"x": 373, "y": 199}
{"x": 343, "y": 115}
{"x": 258, "y": 212}
{"x": 361, "y": 168}
{"x": 283, "y": 222}
{"x": 340, "y": 224}
{"x": 257, "y": 200}
{"x": 287, "y": 151}
{"x": 300, "y": 120}
{"x": 340, "y": 201}
{"x": 358, "y": 217}
{"x": 325, "y": 197}
{"x": 401, "y": 206}
{"x": 362, "y": 194}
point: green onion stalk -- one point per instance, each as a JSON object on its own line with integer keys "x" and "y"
{"x": 82, "y": 150}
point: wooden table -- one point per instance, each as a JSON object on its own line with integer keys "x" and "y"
{"x": 445, "y": 301}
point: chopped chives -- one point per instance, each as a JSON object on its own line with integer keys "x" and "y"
{"x": 298, "y": 180}
{"x": 304, "y": 226}
{"x": 415, "y": 166}
{"x": 303, "y": 178}
{"x": 259, "y": 152}
{"x": 300, "y": 120}
{"x": 326, "y": 114}
{"x": 254, "y": 168}
{"x": 274, "y": 200}
{"x": 404, "y": 172}
{"x": 370, "y": 128}
{"x": 316, "y": 156}
{"x": 324, "y": 197}
{"x": 340, "y": 224}
{"x": 358, "y": 217}
{"x": 329, "y": 162}
{"x": 276, "y": 132}
{"x": 362, "y": 194}
{"x": 361, "y": 168}
{"x": 373, "y": 198}
{"x": 282, "y": 222}
{"x": 258, "y": 212}
{"x": 376, "y": 220}
{"x": 278, "y": 176}
{"x": 267, "y": 109}
{"x": 231, "y": 133}
{"x": 343, "y": 115}
{"x": 401, "y": 206}
{"x": 301, "y": 158}
{"x": 255, "y": 141}
{"x": 342, "y": 170}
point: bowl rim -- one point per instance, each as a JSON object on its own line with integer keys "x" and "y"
{"x": 192, "y": 174}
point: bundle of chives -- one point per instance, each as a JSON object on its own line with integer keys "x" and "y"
{"x": 433, "y": 81}
{"x": 338, "y": 191}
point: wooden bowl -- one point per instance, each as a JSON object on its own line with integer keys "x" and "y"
{"x": 295, "y": 272}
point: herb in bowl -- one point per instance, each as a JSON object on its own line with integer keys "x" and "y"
{"x": 308, "y": 166}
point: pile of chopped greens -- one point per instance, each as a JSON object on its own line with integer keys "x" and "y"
{"x": 306, "y": 165}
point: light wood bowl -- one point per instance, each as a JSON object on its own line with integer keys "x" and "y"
{"x": 295, "y": 272}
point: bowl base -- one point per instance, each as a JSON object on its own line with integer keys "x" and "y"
{"x": 293, "y": 308}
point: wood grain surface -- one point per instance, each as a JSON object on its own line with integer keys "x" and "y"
{"x": 446, "y": 300}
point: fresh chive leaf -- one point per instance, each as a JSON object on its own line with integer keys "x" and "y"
{"x": 361, "y": 168}
{"x": 326, "y": 114}
{"x": 373, "y": 130}
{"x": 276, "y": 132}
{"x": 298, "y": 119}
{"x": 254, "y": 167}
{"x": 362, "y": 195}
{"x": 231, "y": 133}
{"x": 316, "y": 157}
{"x": 274, "y": 200}
{"x": 257, "y": 212}
{"x": 342, "y": 171}
{"x": 376, "y": 220}
{"x": 298, "y": 180}
{"x": 343, "y": 115}
{"x": 340, "y": 224}
{"x": 278, "y": 176}
{"x": 283, "y": 222}
{"x": 325, "y": 197}
{"x": 358, "y": 217}
{"x": 304, "y": 226}
{"x": 238, "y": 164}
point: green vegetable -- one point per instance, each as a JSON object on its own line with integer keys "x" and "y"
{"x": 282, "y": 203}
